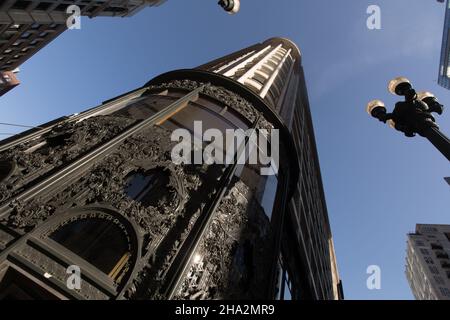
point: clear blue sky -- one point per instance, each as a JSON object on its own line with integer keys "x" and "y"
{"x": 378, "y": 183}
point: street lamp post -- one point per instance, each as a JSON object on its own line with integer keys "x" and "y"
{"x": 414, "y": 115}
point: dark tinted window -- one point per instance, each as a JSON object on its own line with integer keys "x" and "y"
{"x": 101, "y": 242}
{"x": 149, "y": 187}
{"x": 6, "y": 168}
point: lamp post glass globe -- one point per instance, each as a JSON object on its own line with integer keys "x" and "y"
{"x": 431, "y": 101}
{"x": 374, "y": 106}
{"x": 398, "y": 85}
{"x": 424, "y": 95}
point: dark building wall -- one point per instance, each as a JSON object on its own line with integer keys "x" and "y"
{"x": 178, "y": 231}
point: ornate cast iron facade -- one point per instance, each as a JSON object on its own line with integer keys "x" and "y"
{"x": 99, "y": 190}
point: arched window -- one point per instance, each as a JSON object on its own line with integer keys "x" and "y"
{"x": 6, "y": 169}
{"x": 56, "y": 139}
{"x": 149, "y": 187}
{"x": 102, "y": 242}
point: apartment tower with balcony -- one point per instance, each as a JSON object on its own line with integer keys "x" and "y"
{"x": 428, "y": 263}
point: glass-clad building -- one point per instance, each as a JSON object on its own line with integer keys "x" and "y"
{"x": 444, "y": 68}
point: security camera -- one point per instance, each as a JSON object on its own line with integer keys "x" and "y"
{"x": 230, "y": 6}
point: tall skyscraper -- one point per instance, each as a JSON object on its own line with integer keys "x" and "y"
{"x": 26, "y": 26}
{"x": 444, "y": 69}
{"x": 428, "y": 263}
{"x": 100, "y": 190}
